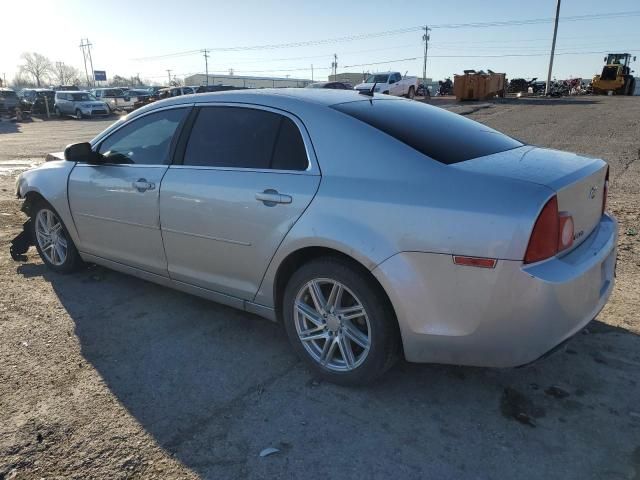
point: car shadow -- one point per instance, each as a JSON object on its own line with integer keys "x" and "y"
{"x": 214, "y": 386}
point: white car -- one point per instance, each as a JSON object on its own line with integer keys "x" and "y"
{"x": 390, "y": 83}
{"x": 116, "y": 99}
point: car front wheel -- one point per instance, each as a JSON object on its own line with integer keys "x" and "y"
{"x": 52, "y": 240}
{"x": 339, "y": 322}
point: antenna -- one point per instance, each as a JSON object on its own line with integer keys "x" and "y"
{"x": 368, "y": 93}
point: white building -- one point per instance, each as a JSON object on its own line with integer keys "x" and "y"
{"x": 245, "y": 81}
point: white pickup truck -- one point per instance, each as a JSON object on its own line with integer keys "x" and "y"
{"x": 390, "y": 83}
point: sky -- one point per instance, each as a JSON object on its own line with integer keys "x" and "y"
{"x": 141, "y": 37}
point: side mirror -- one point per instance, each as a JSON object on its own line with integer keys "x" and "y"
{"x": 81, "y": 152}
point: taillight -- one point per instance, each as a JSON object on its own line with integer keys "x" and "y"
{"x": 544, "y": 237}
{"x": 605, "y": 191}
{"x": 552, "y": 233}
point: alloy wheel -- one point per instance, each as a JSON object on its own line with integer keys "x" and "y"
{"x": 51, "y": 237}
{"x": 332, "y": 324}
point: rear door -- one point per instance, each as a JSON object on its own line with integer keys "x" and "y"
{"x": 115, "y": 205}
{"x": 247, "y": 175}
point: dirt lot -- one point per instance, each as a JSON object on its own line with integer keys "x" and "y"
{"x": 107, "y": 376}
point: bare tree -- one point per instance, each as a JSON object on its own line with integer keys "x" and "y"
{"x": 36, "y": 65}
{"x": 66, "y": 74}
{"x": 20, "y": 81}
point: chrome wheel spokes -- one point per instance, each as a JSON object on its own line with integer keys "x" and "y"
{"x": 332, "y": 324}
{"x": 50, "y": 237}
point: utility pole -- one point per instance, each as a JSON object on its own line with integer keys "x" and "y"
{"x": 206, "y": 63}
{"x": 93, "y": 77}
{"x": 425, "y": 37}
{"x": 312, "y": 72}
{"x": 86, "y": 53}
{"x": 553, "y": 49}
{"x": 84, "y": 57}
{"x": 334, "y": 65}
{"x": 169, "y": 73}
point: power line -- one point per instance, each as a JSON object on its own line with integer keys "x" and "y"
{"x": 364, "y": 36}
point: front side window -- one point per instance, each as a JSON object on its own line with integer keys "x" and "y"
{"x": 81, "y": 97}
{"x": 144, "y": 141}
{"x": 245, "y": 138}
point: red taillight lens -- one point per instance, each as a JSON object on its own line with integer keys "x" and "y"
{"x": 605, "y": 191}
{"x": 544, "y": 237}
{"x": 552, "y": 233}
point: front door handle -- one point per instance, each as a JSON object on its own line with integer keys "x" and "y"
{"x": 271, "y": 197}
{"x": 142, "y": 185}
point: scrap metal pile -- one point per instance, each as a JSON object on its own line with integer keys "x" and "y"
{"x": 557, "y": 88}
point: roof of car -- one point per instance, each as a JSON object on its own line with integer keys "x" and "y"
{"x": 311, "y": 95}
{"x": 267, "y": 96}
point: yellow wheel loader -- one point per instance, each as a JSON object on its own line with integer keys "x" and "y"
{"x": 616, "y": 76}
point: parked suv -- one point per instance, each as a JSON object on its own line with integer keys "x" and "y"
{"x": 35, "y": 100}
{"x": 79, "y": 104}
{"x": 116, "y": 98}
{"x": 8, "y": 100}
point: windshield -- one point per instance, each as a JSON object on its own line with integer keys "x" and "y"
{"x": 377, "y": 78}
{"x": 82, "y": 97}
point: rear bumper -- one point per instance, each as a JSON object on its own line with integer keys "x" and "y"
{"x": 502, "y": 317}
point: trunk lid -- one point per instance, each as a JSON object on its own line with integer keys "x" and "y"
{"x": 577, "y": 181}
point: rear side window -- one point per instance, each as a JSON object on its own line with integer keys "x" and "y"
{"x": 441, "y": 135}
{"x": 245, "y": 138}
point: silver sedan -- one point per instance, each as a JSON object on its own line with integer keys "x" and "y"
{"x": 372, "y": 227}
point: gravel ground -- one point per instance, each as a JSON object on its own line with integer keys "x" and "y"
{"x": 107, "y": 376}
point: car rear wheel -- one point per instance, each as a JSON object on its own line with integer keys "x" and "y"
{"x": 412, "y": 93}
{"x": 52, "y": 240}
{"x": 339, "y": 323}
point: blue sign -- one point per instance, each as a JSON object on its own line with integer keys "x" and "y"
{"x": 99, "y": 75}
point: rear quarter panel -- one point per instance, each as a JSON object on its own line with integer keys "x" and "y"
{"x": 378, "y": 197}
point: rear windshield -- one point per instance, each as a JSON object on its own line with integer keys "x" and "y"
{"x": 441, "y": 135}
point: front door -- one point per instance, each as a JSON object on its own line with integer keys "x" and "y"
{"x": 115, "y": 204}
{"x": 245, "y": 180}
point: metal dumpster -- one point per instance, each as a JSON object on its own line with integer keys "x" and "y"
{"x": 478, "y": 85}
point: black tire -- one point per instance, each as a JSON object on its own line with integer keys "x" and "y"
{"x": 382, "y": 325}
{"x": 631, "y": 87}
{"x": 412, "y": 93}
{"x": 72, "y": 261}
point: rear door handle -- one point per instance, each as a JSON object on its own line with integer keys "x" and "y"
{"x": 271, "y": 197}
{"x": 142, "y": 185}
